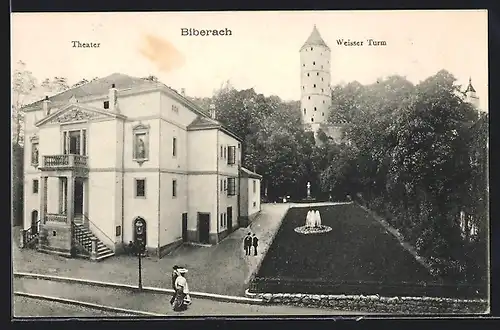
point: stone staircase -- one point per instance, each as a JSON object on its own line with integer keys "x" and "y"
{"x": 84, "y": 237}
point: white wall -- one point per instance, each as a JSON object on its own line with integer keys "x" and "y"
{"x": 171, "y": 208}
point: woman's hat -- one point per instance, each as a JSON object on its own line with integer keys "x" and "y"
{"x": 182, "y": 270}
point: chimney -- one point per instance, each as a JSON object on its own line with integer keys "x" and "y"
{"x": 46, "y": 108}
{"x": 113, "y": 99}
{"x": 183, "y": 91}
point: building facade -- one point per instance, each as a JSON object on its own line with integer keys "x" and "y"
{"x": 118, "y": 151}
{"x": 250, "y": 185}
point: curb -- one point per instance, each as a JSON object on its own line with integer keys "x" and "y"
{"x": 204, "y": 295}
{"x": 85, "y": 304}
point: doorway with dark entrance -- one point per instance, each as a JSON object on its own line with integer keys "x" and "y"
{"x": 78, "y": 199}
{"x": 230, "y": 219}
{"x": 34, "y": 221}
{"x": 184, "y": 227}
{"x": 204, "y": 228}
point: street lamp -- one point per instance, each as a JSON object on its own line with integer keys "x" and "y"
{"x": 140, "y": 244}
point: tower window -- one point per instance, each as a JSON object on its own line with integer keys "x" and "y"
{"x": 304, "y": 111}
{"x": 312, "y": 120}
{"x": 322, "y": 90}
{"x": 323, "y": 101}
{"x": 303, "y": 65}
{"x": 311, "y": 48}
{"x": 314, "y": 85}
{"x": 323, "y": 114}
{"x": 308, "y": 74}
{"x": 303, "y": 87}
{"x": 317, "y": 73}
{"x": 314, "y": 108}
{"x": 308, "y": 97}
{"x": 322, "y": 67}
{"x": 314, "y": 63}
{"x": 321, "y": 79}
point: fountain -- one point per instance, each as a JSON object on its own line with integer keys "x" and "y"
{"x": 313, "y": 224}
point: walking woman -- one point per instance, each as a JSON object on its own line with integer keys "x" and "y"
{"x": 182, "y": 298}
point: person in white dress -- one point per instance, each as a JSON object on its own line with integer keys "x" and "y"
{"x": 182, "y": 298}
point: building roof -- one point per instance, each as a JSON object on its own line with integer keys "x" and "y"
{"x": 202, "y": 123}
{"x": 249, "y": 174}
{"x": 315, "y": 39}
{"x": 470, "y": 88}
{"x": 98, "y": 87}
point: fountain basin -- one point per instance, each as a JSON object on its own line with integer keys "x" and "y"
{"x": 306, "y": 230}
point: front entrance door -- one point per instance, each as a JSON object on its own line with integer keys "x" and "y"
{"x": 78, "y": 202}
{"x": 184, "y": 226}
{"x": 204, "y": 227}
{"x": 34, "y": 220}
{"x": 230, "y": 218}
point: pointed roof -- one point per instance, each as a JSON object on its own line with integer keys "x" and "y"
{"x": 470, "y": 88}
{"x": 202, "y": 123}
{"x": 244, "y": 172}
{"x": 315, "y": 39}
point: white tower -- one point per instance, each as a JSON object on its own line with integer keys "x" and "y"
{"x": 470, "y": 95}
{"x": 315, "y": 81}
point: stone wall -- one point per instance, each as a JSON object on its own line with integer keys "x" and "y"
{"x": 377, "y": 304}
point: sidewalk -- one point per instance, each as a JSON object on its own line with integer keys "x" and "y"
{"x": 155, "y": 303}
{"x": 222, "y": 269}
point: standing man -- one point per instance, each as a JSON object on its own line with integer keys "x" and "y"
{"x": 255, "y": 243}
{"x": 247, "y": 243}
{"x": 174, "y": 277}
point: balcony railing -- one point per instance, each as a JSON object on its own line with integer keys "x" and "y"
{"x": 56, "y": 217}
{"x": 64, "y": 161}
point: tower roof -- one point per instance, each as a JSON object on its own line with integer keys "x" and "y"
{"x": 470, "y": 88}
{"x": 315, "y": 39}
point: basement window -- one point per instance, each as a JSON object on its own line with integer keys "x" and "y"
{"x": 106, "y": 104}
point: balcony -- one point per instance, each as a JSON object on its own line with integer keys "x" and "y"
{"x": 64, "y": 162}
{"x": 56, "y": 218}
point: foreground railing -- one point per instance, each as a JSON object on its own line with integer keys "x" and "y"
{"x": 92, "y": 227}
{"x": 64, "y": 161}
{"x": 30, "y": 235}
{"x": 81, "y": 237}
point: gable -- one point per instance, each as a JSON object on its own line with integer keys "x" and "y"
{"x": 76, "y": 113}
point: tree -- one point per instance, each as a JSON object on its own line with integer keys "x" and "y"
{"x": 23, "y": 84}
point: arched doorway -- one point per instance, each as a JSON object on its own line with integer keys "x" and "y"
{"x": 34, "y": 221}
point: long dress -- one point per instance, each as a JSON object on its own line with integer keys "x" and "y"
{"x": 182, "y": 298}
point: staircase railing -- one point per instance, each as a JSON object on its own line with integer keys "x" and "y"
{"x": 31, "y": 233}
{"x": 87, "y": 223}
{"x": 81, "y": 237}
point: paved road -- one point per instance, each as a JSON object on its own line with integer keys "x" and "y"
{"x": 30, "y": 307}
{"x": 150, "y": 302}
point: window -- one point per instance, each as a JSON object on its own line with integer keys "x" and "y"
{"x": 221, "y": 186}
{"x": 225, "y": 152}
{"x": 174, "y": 147}
{"x": 35, "y": 186}
{"x": 231, "y": 155}
{"x": 311, "y": 48}
{"x": 221, "y": 220}
{"x": 140, "y": 187}
{"x": 221, "y": 152}
{"x": 225, "y": 220}
{"x": 303, "y": 87}
{"x": 254, "y": 186}
{"x": 106, "y": 104}
{"x": 322, "y": 79}
{"x": 34, "y": 153}
{"x": 118, "y": 231}
{"x": 322, "y": 67}
{"x": 314, "y": 63}
{"x": 141, "y": 143}
{"x": 314, "y": 85}
{"x": 308, "y": 74}
{"x": 174, "y": 188}
{"x": 304, "y": 111}
{"x": 303, "y": 65}
{"x": 254, "y": 204}
{"x": 323, "y": 114}
{"x": 312, "y": 119}
{"x": 322, "y": 90}
{"x": 323, "y": 101}
{"x": 231, "y": 191}
{"x": 317, "y": 73}
{"x": 314, "y": 108}
{"x": 75, "y": 142}
{"x": 175, "y": 108}
{"x": 225, "y": 186}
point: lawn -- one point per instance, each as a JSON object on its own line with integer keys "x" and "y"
{"x": 357, "y": 256}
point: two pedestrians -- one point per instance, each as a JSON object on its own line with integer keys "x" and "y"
{"x": 250, "y": 241}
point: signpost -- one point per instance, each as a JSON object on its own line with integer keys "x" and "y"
{"x": 140, "y": 244}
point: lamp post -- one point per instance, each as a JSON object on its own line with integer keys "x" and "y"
{"x": 140, "y": 245}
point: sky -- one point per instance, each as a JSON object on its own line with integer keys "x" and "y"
{"x": 262, "y": 52}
